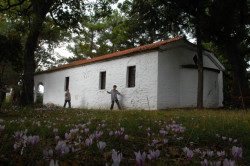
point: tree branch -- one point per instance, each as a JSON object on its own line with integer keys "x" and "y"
{"x": 57, "y": 23}
{"x": 11, "y": 6}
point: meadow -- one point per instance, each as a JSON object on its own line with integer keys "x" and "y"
{"x": 56, "y": 136}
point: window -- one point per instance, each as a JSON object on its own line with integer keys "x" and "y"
{"x": 195, "y": 59}
{"x": 66, "y": 83}
{"x": 131, "y": 76}
{"x": 103, "y": 80}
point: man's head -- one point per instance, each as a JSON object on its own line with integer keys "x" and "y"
{"x": 68, "y": 90}
{"x": 114, "y": 87}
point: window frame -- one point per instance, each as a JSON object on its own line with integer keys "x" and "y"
{"x": 129, "y": 76}
{"x": 66, "y": 83}
{"x": 101, "y": 79}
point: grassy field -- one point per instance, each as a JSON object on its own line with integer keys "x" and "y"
{"x": 46, "y": 135}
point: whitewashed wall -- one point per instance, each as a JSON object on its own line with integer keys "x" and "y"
{"x": 161, "y": 82}
{"x": 177, "y": 87}
{"x": 84, "y": 83}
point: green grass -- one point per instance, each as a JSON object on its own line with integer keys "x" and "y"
{"x": 201, "y": 128}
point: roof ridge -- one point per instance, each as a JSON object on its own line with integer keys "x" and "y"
{"x": 112, "y": 55}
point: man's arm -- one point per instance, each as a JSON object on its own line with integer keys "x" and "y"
{"x": 119, "y": 93}
{"x": 108, "y": 92}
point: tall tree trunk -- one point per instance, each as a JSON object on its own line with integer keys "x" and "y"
{"x": 40, "y": 9}
{"x": 240, "y": 92}
{"x": 29, "y": 65}
{"x": 200, "y": 70}
{"x": 2, "y": 87}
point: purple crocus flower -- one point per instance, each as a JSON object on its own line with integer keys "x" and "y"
{"x": 88, "y": 141}
{"x": 140, "y": 158}
{"x": 101, "y": 145}
{"x": 237, "y": 152}
{"x": 74, "y": 131}
{"x": 33, "y": 139}
{"x": 197, "y": 150}
{"x": 161, "y": 132}
{"x": 47, "y": 153}
{"x": 204, "y": 163}
{"x": 62, "y": 148}
{"x": 185, "y": 149}
{"x": 53, "y": 163}
{"x": 2, "y": 127}
{"x": 230, "y": 139}
{"x": 116, "y": 158}
{"x": 126, "y": 137}
{"x": 227, "y": 162}
{"x": 74, "y": 150}
{"x": 86, "y": 130}
{"x": 190, "y": 154}
{"x": 18, "y": 135}
{"x": 111, "y": 133}
{"x": 224, "y": 138}
{"x": 210, "y": 153}
{"x": 165, "y": 141}
{"x": 221, "y": 153}
{"x": 98, "y": 134}
{"x": 67, "y": 136}
{"x": 92, "y": 136}
{"x": 155, "y": 141}
{"x": 88, "y": 123}
{"x": 153, "y": 155}
{"x": 57, "y": 138}
{"x": 215, "y": 163}
{"x": 117, "y": 133}
{"x": 55, "y": 130}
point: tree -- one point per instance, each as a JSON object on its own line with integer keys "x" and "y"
{"x": 100, "y": 36}
{"x": 63, "y": 13}
{"x": 223, "y": 22}
{"x": 10, "y": 58}
{"x": 175, "y": 17}
{"x": 228, "y": 27}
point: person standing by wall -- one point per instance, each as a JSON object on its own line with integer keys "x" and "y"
{"x": 67, "y": 99}
{"x": 114, "y": 98}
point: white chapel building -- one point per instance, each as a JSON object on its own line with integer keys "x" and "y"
{"x": 151, "y": 77}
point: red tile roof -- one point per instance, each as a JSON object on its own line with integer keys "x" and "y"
{"x": 113, "y": 55}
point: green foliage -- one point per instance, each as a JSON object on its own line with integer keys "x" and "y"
{"x": 100, "y": 36}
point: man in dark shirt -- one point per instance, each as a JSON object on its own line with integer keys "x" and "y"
{"x": 67, "y": 99}
{"x": 114, "y": 98}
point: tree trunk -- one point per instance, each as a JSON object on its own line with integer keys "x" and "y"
{"x": 29, "y": 66}
{"x": 240, "y": 92}
{"x": 200, "y": 70}
{"x": 40, "y": 9}
{"x": 2, "y": 96}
